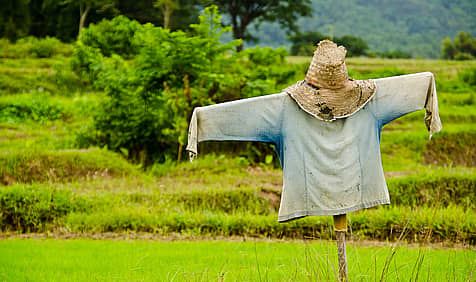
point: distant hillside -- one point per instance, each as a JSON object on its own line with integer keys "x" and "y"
{"x": 413, "y": 26}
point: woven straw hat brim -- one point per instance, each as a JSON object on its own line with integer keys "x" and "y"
{"x": 331, "y": 104}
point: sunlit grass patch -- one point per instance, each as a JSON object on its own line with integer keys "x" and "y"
{"x": 80, "y": 260}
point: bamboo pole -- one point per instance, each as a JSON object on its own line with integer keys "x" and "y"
{"x": 340, "y": 227}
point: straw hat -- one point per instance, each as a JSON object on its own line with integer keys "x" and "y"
{"x": 327, "y": 92}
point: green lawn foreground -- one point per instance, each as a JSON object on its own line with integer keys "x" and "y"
{"x": 143, "y": 260}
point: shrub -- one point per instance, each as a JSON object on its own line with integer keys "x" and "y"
{"x": 112, "y": 36}
{"x": 463, "y": 48}
{"x": 86, "y": 61}
{"x": 264, "y": 71}
{"x": 304, "y": 44}
{"x": 151, "y": 99}
{"x": 266, "y": 56}
{"x": 45, "y": 48}
{"x": 150, "y": 104}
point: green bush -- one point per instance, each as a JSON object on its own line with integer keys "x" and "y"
{"x": 151, "y": 101}
{"x": 264, "y": 71}
{"x": 463, "y": 47}
{"x": 112, "y": 36}
{"x": 151, "y": 98}
{"x": 266, "y": 56}
{"x": 45, "y": 48}
{"x": 86, "y": 61}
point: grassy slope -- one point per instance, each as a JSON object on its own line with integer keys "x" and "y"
{"x": 204, "y": 196}
{"x": 81, "y": 260}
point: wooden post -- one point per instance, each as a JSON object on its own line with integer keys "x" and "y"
{"x": 340, "y": 227}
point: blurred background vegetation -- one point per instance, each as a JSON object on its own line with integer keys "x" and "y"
{"x": 407, "y": 27}
{"x": 93, "y": 123}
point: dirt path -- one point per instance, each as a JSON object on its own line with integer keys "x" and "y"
{"x": 181, "y": 237}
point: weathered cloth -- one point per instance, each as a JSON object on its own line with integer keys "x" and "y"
{"x": 329, "y": 168}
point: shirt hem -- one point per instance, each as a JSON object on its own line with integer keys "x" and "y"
{"x": 304, "y": 213}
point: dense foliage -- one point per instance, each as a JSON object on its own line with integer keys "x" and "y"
{"x": 151, "y": 98}
{"x": 463, "y": 47}
{"x": 63, "y": 19}
{"x": 112, "y": 36}
{"x": 412, "y": 27}
{"x": 303, "y": 44}
{"x": 245, "y": 13}
{"x": 51, "y": 185}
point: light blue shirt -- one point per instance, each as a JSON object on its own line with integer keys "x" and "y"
{"x": 329, "y": 168}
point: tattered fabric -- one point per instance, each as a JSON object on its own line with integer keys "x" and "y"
{"x": 329, "y": 168}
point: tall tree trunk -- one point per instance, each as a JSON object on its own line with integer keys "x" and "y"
{"x": 167, "y": 11}
{"x": 167, "y": 7}
{"x": 83, "y": 14}
{"x": 238, "y": 33}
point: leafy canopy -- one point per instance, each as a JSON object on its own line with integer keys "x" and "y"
{"x": 243, "y": 13}
{"x": 463, "y": 47}
{"x": 151, "y": 96}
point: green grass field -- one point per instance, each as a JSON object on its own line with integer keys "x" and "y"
{"x": 145, "y": 260}
{"x": 53, "y": 184}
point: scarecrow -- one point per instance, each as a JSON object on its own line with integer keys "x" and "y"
{"x": 326, "y": 131}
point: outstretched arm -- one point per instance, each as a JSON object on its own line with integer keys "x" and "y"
{"x": 399, "y": 95}
{"x": 253, "y": 119}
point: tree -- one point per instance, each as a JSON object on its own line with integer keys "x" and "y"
{"x": 244, "y": 12}
{"x": 355, "y": 46}
{"x": 463, "y": 48}
{"x": 184, "y": 12}
{"x": 304, "y": 44}
{"x": 86, "y": 6}
{"x": 448, "y": 49}
{"x": 167, "y": 7}
{"x": 15, "y": 18}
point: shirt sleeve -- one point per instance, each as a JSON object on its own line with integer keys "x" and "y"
{"x": 399, "y": 95}
{"x": 253, "y": 119}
